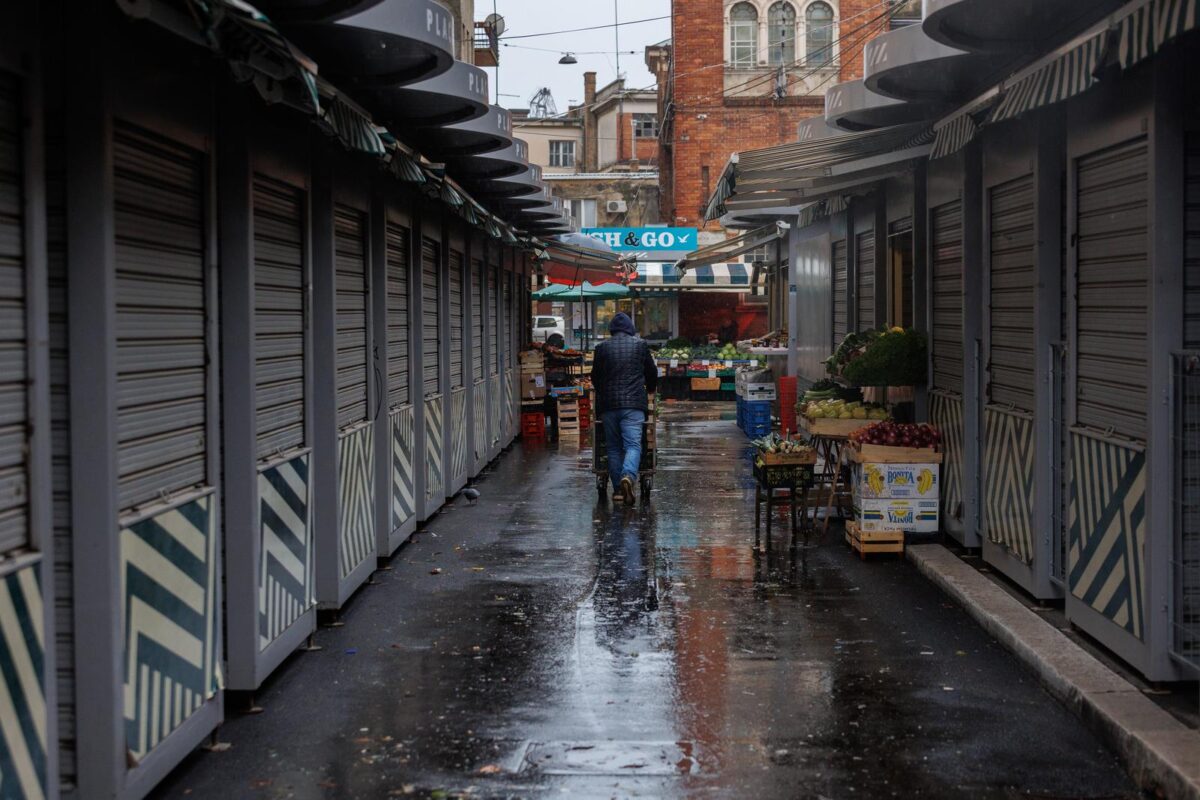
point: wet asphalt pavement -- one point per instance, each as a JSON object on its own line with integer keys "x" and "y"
{"x": 569, "y": 649}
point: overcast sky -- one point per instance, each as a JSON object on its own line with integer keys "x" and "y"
{"x": 524, "y": 71}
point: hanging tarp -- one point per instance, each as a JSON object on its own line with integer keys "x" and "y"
{"x": 731, "y": 248}
{"x": 1141, "y": 33}
{"x": 582, "y": 292}
{"x": 1067, "y": 72}
{"x": 573, "y": 262}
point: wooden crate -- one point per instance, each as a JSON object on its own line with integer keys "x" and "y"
{"x": 569, "y": 423}
{"x": 824, "y": 426}
{"x": 781, "y": 459}
{"x": 706, "y": 384}
{"x": 867, "y": 543}
{"x": 883, "y": 454}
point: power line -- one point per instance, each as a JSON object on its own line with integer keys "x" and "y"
{"x": 572, "y": 52}
{"x": 589, "y": 28}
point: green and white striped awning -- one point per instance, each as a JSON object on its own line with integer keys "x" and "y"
{"x": 1054, "y": 79}
{"x": 1143, "y": 32}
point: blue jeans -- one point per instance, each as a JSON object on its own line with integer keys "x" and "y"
{"x": 623, "y": 438}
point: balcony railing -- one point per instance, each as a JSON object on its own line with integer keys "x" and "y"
{"x": 487, "y": 45}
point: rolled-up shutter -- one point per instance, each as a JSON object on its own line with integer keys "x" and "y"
{"x": 397, "y": 310}
{"x": 841, "y": 288}
{"x": 477, "y": 319}
{"x": 494, "y": 324}
{"x": 1011, "y": 290}
{"x": 431, "y": 300}
{"x": 507, "y": 343}
{"x": 947, "y": 316}
{"x": 1191, "y": 250}
{"x": 456, "y": 319}
{"x": 160, "y": 316}
{"x": 864, "y": 284}
{"x": 279, "y": 214}
{"x": 1113, "y": 290}
{"x": 350, "y": 257}
{"x": 14, "y": 359}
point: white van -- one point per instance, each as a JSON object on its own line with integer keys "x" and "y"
{"x": 550, "y": 330}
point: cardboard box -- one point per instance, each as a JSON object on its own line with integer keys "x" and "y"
{"x": 706, "y": 384}
{"x": 533, "y": 385}
{"x": 758, "y": 391}
{"x": 911, "y": 516}
{"x": 897, "y": 481}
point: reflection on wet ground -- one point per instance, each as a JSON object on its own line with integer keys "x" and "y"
{"x": 569, "y": 648}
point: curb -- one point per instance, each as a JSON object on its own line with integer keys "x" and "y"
{"x": 1161, "y": 754}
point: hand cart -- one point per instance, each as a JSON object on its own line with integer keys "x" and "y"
{"x": 649, "y": 454}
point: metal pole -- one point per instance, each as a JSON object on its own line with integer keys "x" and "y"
{"x": 617, "y": 36}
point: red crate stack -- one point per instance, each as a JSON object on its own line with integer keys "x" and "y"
{"x": 787, "y": 403}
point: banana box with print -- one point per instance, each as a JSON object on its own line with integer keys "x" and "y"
{"x": 909, "y": 516}
{"x": 896, "y": 481}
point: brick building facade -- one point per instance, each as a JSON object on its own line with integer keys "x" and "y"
{"x": 740, "y": 74}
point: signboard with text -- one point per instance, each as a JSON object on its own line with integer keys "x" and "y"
{"x": 647, "y": 240}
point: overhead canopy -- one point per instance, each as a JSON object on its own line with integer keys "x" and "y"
{"x": 312, "y": 10}
{"x": 582, "y": 292}
{"x": 710, "y": 278}
{"x": 852, "y": 106}
{"x": 908, "y": 65}
{"x": 504, "y": 163}
{"x": 486, "y": 134}
{"x": 1012, "y": 26}
{"x": 389, "y": 44}
{"x": 458, "y": 94}
{"x": 731, "y": 248}
{"x": 789, "y": 174}
{"x": 567, "y": 260}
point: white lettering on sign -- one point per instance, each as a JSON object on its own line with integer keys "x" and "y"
{"x": 878, "y": 54}
{"x": 477, "y": 83}
{"x": 438, "y": 24}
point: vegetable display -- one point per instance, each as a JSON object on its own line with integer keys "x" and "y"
{"x": 774, "y": 443}
{"x": 840, "y": 409}
{"x": 893, "y": 434}
{"x": 889, "y": 357}
{"x": 828, "y": 389}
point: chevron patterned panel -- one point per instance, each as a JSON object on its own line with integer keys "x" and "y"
{"x": 510, "y": 404}
{"x": 285, "y": 587}
{"x": 434, "y": 486}
{"x": 494, "y": 412}
{"x": 404, "y": 500}
{"x": 22, "y": 699}
{"x": 168, "y": 581}
{"x": 458, "y": 434}
{"x": 1108, "y": 528}
{"x": 946, "y": 414}
{"x": 356, "y": 497}
{"x": 1008, "y": 481}
{"x": 478, "y": 401}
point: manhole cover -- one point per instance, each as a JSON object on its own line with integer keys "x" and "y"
{"x": 612, "y": 758}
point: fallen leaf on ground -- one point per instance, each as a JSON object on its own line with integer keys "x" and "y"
{"x": 435, "y": 571}
{"x": 489, "y": 769}
{"x": 477, "y": 569}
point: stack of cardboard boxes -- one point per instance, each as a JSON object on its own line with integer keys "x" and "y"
{"x": 533, "y": 376}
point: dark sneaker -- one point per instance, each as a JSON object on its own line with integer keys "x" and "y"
{"x": 618, "y": 496}
{"x": 627, "y": 489}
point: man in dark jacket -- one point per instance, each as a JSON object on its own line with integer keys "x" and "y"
{"x": 623, "y": 374}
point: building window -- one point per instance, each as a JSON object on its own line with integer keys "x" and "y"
{"x": 562, "y": 153}
{"x": 583, "y": 213}
{"x": 906, "y": 12}
{"x": 743, "y": 36}
{"x": 781, "y": 34}
{"x": 818, "y": 30}
{"x": 645, "y": 126}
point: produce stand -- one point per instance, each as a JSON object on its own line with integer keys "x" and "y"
{"x": 828, "y": 436}
{"x": 649, "y": 453}
{"x": 773, "y": 474}
{"x": 895, "y": 492}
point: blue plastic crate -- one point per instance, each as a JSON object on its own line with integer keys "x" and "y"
{"x": 756, "y": 430}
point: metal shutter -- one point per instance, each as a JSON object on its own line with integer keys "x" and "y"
{"x": 279, "y": 214}
{"x": 160, "y": 316}
{"x": 350, "y": 264}
{"x": 1010, "y": 295}
{"x": 477, "y": 319}
{"x": 947, "y": 312}
{"x": 397, "y": 314}
{"x": 1113, "y": 265}
{"x": 508, "y": 321}
{"x": 431, "y": 315}
{"x": 456, "y": 319}
{"x": 494, "y": 318}
{"x": 1191, "y": 253}
{"x": 864, "y": 284}
{"x": 841, "y": 288}
{"x": 14, "y": 359}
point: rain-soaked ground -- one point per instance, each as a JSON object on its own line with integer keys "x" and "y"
{"x": 569, "y": 649}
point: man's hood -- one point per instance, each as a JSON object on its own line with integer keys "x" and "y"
{"x": 621, "y": 323}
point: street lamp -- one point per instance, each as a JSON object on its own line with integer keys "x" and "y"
{"x": 568, "y": 59}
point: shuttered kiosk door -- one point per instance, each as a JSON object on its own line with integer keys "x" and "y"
{"x": 841, "y": 288}
{"x": 1008, "y": 417}
{"x": 494, "y": 355}
{"x": 478, "y": 398}
{"x": 1107, "y": 529}
{"x": 946, "y": 397}
{"x": 864, "y": 283}
{"x": 458, "y": 390}
{"x": 431, "y": 350}
{"x": 401, "y": 416}
{"x": 508, "y": 395}
{"x": 355, "y": 453}
{"x": 168, "y": 525}
{"x": 285, "y": 575}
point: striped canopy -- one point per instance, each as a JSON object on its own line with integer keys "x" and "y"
{"x": 710, "y": 276}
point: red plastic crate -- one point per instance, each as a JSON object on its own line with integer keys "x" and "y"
{"x": 533, "y": 424}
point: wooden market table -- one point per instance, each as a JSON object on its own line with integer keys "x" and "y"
{"x": 828, "y": 437}
{"x": 785, "y": 473}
